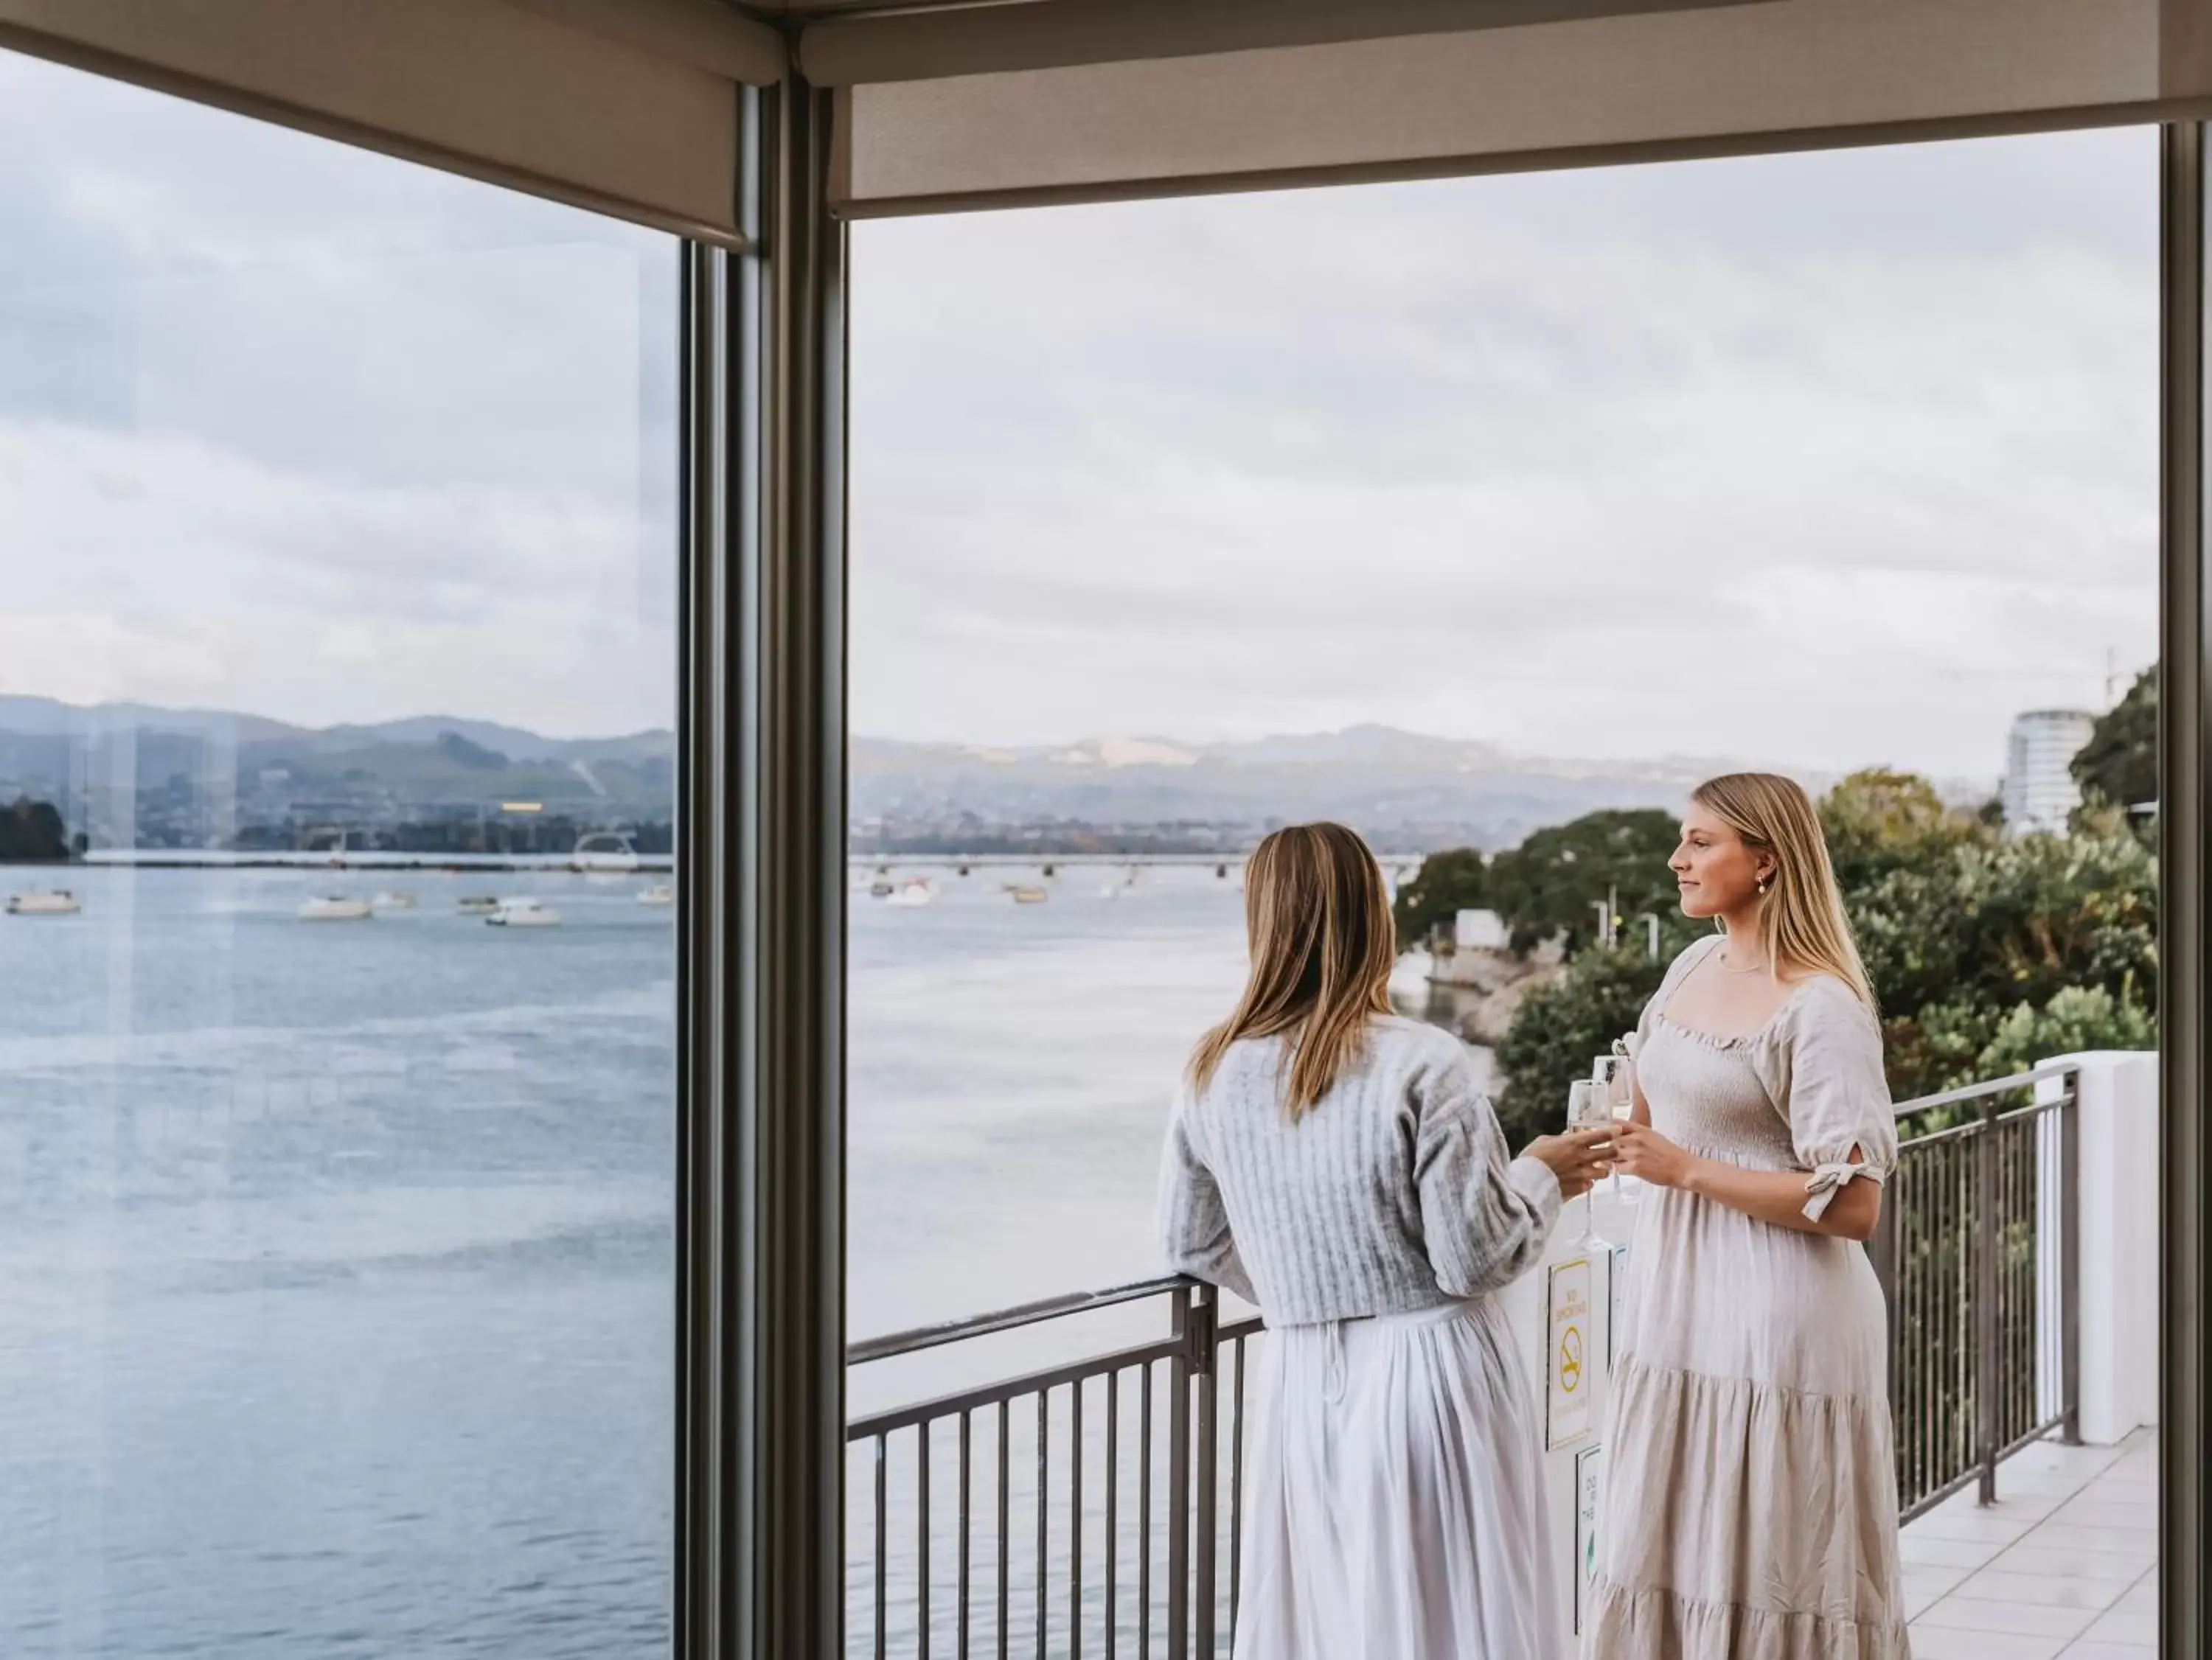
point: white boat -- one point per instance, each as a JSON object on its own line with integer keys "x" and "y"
{"x": 478, "y": 904}
{"x": 1025, "y": 895}
{"x": 914, "y": 893}
{"x": 660, "y": 894}
{"x": 881, "y": 888}
{"x": 525, "y": 913}
{"x": 393, "y": 902}
{"x": 332, "y": 907}
{"x": 44, "y": 902}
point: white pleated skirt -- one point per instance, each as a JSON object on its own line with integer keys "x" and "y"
{"x": 1394, "y": 1507}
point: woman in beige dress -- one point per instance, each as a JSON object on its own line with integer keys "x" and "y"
{"x": 1750, "y": 1505}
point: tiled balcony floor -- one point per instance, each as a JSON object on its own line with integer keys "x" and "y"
{"x": 2064, "y": 1566}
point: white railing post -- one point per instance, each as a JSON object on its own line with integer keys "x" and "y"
{"x": 2117, "y": 1103}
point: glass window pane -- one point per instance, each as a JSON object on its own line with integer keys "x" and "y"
{"x": 1489, "y": 516}
{"x": 336, "y": 608}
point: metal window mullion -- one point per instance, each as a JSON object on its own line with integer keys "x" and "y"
{"x": 760, "y": 913}
{"x": 2185, "y": 729}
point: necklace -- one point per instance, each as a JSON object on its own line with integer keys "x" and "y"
{"x": 1721, "y": 956}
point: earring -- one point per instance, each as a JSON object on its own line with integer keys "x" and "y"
{"x": 1762, "y": 885}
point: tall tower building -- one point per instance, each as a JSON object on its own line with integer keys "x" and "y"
{"x": 2039, "y": 792}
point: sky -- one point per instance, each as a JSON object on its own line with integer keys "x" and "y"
{"x": 1817, "y": 460}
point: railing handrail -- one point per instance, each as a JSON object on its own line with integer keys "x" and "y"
{"x": 1973, "y": 1092}
{"x": 895, "y": 1344}
{"x": 891, "y": 1345}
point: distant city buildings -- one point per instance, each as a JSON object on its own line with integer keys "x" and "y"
{"x": 2039, "y": 790}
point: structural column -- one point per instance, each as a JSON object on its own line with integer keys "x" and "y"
{"x": 2185, "y": 1631}
{"x": 762, "y": 1418}
{"x": 795, "y": 785}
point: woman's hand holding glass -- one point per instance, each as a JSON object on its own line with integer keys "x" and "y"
{"x": 1588, "y": 1111}
{"x": 1615, "y": 1077}
{"x": 1578, "y": 1158}
{"x": 1646, "y": 1155}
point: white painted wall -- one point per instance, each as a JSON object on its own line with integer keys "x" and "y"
{"x": 2118, "y": 1097}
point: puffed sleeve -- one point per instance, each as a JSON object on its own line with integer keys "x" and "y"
{"x": 1821, "y": 1063}
{"x": 1485, "y": 1217}
{"x": 1194, "y": 1220}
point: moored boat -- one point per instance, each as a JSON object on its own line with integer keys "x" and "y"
{"x": 334, "y": 907}
{"x": 525, "y": 913}
{"x": 44, "y": 902}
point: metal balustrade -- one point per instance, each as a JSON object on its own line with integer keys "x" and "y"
{"x": 1110, "y": 1469}
{"x": 1979, "y": 1257}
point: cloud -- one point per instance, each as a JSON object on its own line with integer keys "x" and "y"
{"x": 1820, "y": 458}
{"x": 1753, "y": 458}
{"x": 307, "y": 432}
{"x": 220, "y": 581}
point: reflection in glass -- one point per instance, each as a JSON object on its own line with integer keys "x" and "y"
{"x": 337, "y": 1116}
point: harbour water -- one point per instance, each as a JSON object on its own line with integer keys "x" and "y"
{"x": 335, "y": 1287}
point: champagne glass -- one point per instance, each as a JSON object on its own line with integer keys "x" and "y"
{"x": 1589, "y": 1109}
{"x": 1615, "y": 1077}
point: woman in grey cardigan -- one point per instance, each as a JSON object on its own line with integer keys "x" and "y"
{"x": 1336, "y": 1165}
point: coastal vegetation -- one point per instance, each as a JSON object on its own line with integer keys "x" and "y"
{"x": 31, "y": 832}
{"x": 1988, "y": 951}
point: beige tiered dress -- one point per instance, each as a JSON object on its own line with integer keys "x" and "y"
{"x": 1750, "y": 1502}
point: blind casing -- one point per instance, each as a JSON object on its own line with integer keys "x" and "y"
{"x": 1739, "y": 79}
{"x": 626, "y": 106}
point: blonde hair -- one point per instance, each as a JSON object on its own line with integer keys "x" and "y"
{"x": 1318, "y": 921}
{"x": 1802, "y": 924}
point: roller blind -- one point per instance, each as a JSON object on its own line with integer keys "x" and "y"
{"x": 1639, "y": 84}
{"x": 626, "y": 106}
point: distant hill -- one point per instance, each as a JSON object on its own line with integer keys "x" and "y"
{"x": 133, "y": 774}
{"x": 1406, "y": 788}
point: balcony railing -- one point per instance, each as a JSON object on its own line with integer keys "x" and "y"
{"x": 1092, "y": 1506}
{"x": 1979, "y": 1256}
{"x": 1110, "y": 1468}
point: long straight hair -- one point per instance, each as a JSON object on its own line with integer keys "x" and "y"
{"x": 1802, "y": 924}
{"x": 1318, "y": 920}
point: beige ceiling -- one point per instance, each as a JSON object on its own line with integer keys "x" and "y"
{"x": 631, "y": 106}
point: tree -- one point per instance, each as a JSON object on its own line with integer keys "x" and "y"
{"x": 1560, "y": 1028}
{"x": 1446, "y": 884}
{"x": 2119, "y": 764}
{"x": 1986, "y": 953}
{"x": 1552, "y": 882}
{"x": 1989, "y": 927}
{"x": 2077, "y": 1018}
{"x": 32, "y": 831}
{"x": 1879, "y": 819}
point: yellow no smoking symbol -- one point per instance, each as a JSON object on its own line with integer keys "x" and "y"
{"x": 1571, "y": 1359}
